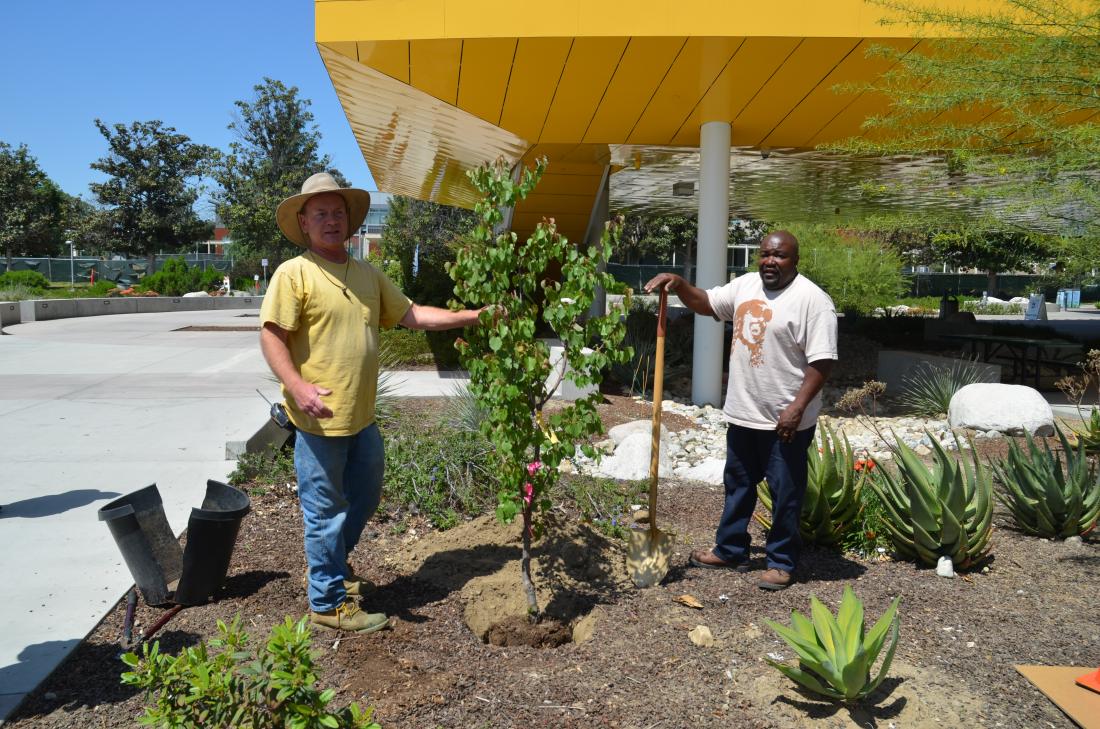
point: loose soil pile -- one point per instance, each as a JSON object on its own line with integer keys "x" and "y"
{"x": 615, "y": 656}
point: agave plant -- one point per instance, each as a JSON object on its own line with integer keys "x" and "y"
{"x": 834, "y": 655}
{"x": 927, "y": 389}
{"x": 1045, "y": 499}
{"x": 945, "y": 511}
{"x": 833, "y": 488}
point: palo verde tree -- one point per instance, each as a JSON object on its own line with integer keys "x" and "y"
{"x": 1009, "y": 99}
{"x": 510, "y": 368}
{"x": 31, "y": 206}
{"x": 277, "y": 147}
{"x": 152, "y": 173}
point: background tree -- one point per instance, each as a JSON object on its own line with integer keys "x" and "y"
{"x": 151, "y": 189}
{"x": 859, "y": 272}
{"x": 655, "y": 236}
{"x": 277, "y": 147}
{"x": 1014, "y": 106}
{"x": 31, "y": 206}
{"x": 425, "y": 233}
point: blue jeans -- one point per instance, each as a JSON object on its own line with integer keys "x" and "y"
{"x": 339, "y": 487}
{"x": 752, "y": 455}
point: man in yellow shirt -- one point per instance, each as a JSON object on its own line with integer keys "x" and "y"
{"x": 320, "y": 321}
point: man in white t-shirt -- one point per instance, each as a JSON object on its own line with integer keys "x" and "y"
{"x": 784, "y": 345}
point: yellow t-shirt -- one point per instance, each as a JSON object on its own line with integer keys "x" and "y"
{"x": 333, "y": 337}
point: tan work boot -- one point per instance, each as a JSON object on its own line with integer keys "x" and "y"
{"x": 354, "y": 585}
{"x": 349, "y": 617}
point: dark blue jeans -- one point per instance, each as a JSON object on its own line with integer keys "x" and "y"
{"x": 752, "y": 455}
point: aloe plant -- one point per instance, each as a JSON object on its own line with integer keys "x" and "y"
{"x": 1046, "y": 499}
{"x": 943, "y": 511}
{"x": 834, "y": 655}
{"x": 833, "y": 488}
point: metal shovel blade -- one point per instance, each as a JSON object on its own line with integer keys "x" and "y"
{"x": 647, "y": 556}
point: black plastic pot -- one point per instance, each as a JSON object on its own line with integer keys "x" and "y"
{"x": 162, "y": 571}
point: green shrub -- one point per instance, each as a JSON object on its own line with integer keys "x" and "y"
{"x": 834, "y": 655}
{"x": 99, "y": 289}
{"x": 31, "y": 280}
{"x": 927, "y": 389}
{"x": 463, "y": 411}
{"x": 605, "y": 503}
{"x": 244, "y": 283}
{"x": 175, "y": 278}
{"x": 225, "y": 683}
{"x": 859, "y": 274}
{"x": 19, "y": 293}
{"x": 273, "y": 467}
{"x": 453, "y": 472}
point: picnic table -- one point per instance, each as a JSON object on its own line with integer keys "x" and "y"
{"x": 1026, "y": 355}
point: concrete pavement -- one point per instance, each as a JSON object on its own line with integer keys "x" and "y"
{"x": 97, "y": 407}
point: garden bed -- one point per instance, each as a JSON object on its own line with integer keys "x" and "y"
{"x": 637, "y": 668}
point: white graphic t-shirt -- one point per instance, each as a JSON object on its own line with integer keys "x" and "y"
{"x": 776, "y": 334}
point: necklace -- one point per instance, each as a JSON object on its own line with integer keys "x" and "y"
{"x": 334, "y": 282}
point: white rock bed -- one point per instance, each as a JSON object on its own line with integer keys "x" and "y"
{"x": 699, "y": 453}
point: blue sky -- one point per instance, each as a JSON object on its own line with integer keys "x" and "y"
{"x": 68, "y": 62}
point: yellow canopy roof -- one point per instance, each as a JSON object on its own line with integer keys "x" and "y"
{"x": 433, "y": 88}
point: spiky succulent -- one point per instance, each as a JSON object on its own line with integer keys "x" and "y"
{"x": 833, "y": 488}
{"x": 942, "y": 511}
{"x": 1046, "y": 499}
{"x": 834, "y": 656}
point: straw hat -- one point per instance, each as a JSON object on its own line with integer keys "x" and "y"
{"x": 358, "y": 202}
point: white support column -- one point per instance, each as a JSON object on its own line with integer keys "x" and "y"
{"x": 710, "y": 268}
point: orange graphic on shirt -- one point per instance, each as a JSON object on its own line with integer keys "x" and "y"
{"x": 750, "y": 321}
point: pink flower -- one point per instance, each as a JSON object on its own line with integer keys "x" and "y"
{"x": 528, "y": 492}
{"x": 533, "y": 467}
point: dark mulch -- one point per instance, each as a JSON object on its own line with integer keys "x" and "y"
{"x": 954, "y": 664}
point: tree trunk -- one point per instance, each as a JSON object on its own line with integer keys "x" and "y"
{"x": 991, "y": 282}
{"x": 150, "y": 264}
{"x": 528, "y": 584}
{"x": 8, "y": 257}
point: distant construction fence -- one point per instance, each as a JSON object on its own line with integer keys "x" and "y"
{"x": 920, "y": 284}
{"x": 125, "y": 272}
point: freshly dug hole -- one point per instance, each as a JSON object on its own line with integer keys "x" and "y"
{"x": 574, "y": 569}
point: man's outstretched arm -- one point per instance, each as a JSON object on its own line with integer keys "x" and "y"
{"x": 690, "y": 296}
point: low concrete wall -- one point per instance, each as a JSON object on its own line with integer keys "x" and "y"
{"x": 894, "y": 365}
{"x": 10, "y": 313}
{"x": 44, "y": 310}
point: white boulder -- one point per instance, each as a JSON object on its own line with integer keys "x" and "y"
{"x": 630, "y": 461}
{"x": 620, "y": 432}
{"x": 709, "y": 471}
{"x": 1009, "y": 409}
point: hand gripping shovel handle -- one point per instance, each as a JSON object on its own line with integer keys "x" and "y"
{"x": 658, "y": 395}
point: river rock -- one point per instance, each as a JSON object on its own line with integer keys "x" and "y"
{"x": 1009, "y": 409}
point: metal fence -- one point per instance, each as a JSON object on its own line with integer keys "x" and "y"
{"x": 83, "y": 269}
{"x": 920, "y": 284}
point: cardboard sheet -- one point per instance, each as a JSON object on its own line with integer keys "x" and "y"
{"x": 1058, "y": 684}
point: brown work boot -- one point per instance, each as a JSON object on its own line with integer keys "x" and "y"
{"x": 349, "y": 617}
{"x": 774, "y": 579}
{"x": 707, "y": 559}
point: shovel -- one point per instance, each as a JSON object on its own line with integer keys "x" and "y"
{"x": 648, "y": 551}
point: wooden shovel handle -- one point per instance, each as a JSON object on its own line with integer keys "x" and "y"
{"x": 658, "y": 395}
